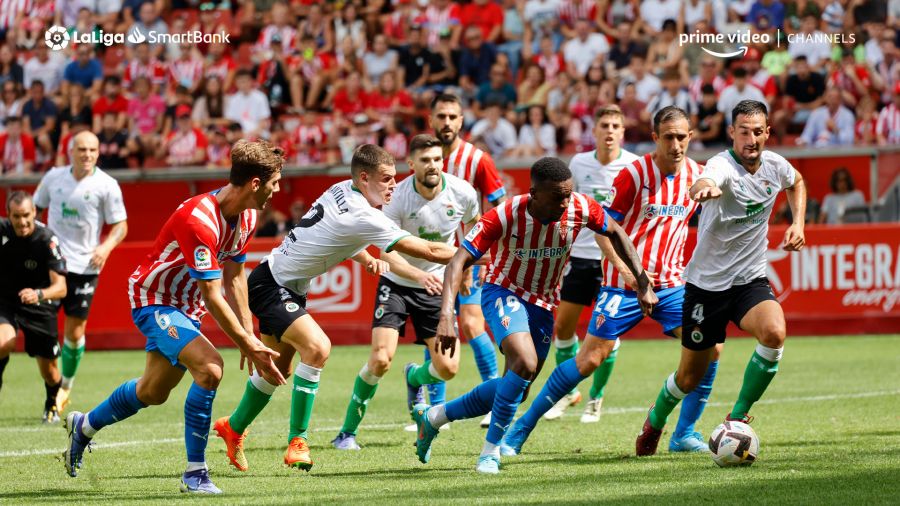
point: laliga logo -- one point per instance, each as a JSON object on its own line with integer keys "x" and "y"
{"x": 57, "y": 38}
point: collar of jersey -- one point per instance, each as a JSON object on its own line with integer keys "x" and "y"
{"x": 354, "y": 188}
{"x": 443, "y": 183}
{"x": 621, "y": 152}
{"x": 72, "y": 171}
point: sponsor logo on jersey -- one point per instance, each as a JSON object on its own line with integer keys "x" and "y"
{"x": 379, "y": 312}
{"x": 696, "y": 335}
{"x": 660, "y": 211}
{"x": 429, "y": 236}
{"x": 474, "y": 232}
{"x": 524, "y": 254}
{"x": 292, "y": 307}
{"x": 87, "y": 289}
{"x": 68, "y": 212}
{"x": 202, "y": 258}
{"x": 599, "y": 321}
{"x": 505, "y": 321}
{"x": 30, "y": 264}
{"x": 173, "y": 332}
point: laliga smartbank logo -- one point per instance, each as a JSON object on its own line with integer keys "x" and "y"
{"x": 742, "y": 38}
{"x": 58, "y": 38}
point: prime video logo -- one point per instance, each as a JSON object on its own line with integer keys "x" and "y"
{"x": 58, "y": 38}
{"x": 747, "y": 37}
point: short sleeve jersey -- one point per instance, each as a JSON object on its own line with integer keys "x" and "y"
{"x": 434, "y": 220}
{"x": 732, "y": 234}
{"x": 594, "y": 179}
{"x": 77, "y": 210}
{"x": 28, "y": 260}
{"x": 340, "y": 224}
{"x": 477, "y": 168}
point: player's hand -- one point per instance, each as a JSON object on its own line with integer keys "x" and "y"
{"x": 446, "y": 337}
{"x": 98, "y": 259}
{"x": 710, "y": 192}
{"x": 794, "y": 240}
{"x": 630, "y": 280}
{"x": 377, "y": 267}
{"x": 263, "y": 358}
{"x": 445, "y": 343}
{"x": 648, "y": 300}
{"x": 432, "y": 283}
{"x": 28, "y": 296}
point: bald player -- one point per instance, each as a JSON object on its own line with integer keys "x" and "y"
{"x": 79, "y": 199}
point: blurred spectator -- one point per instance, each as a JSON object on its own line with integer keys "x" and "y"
{"x": 542, "y": 20}
{"x": 776, "y": 59}
{"x": 665, "y": 52}
{"x": 84, "y": 70}
{"x": 146, "y": 112}
{"x": 833, "y": 15}
{"x": 832, "y": 124}
{"x": 388, "y": 100}
{"x": 693, "y": 55}
{"x": 64, "y": 149}
{"x": 248, "y": 106}
{"x": 280, "y": 32}
{"x": 760, "y": 77}
{"x": 360, "y": 133}
{"x": 315, "y": 25}
{"x": 143, "y": 64}
{"x": 316, "y": 69}
{"x": 398, "y": 24}
{"x": 350, "y": 100}
{"x": 866, "y": 122}
{"x": 636, "y": 131}
{"x": 537, "y": 137}
{"x": 16, "y": 148}
{"x": 112, "y": 101}
{"x": 39, "y": 120}
{"x": 889, "y": 69}
{"x": 810, "y": 43}
{"x": 615, "y": 13}
{"x": 495, "y": 131}
{"x": 843, "y": 196}
{"x": 655, "y": 12}
{"x": 348, "y": 24}
{"x": 888, "y": 130}
{"x": 272, "y": 223}
{"x": 710, "y": 121}
{"x": 10, "y": 70}
{"x": 443, "y": 18}
{"x": 585, "y": 48}
{"x": 861, "y": 12}
{"x": 672, "y": 94}
{"x": 803, "y": 94}
{"x": 149, "y": 21}
{"x": 209, "y": 108}
{"x": 218, "y": 152}
{"x": 347, "y": 58}
{"x": 34, "y": 20}
{"x": 625, "y": 46}
{"x": 693, "y": 12}
{"x": 486, "y": 15}
{"x": 273, "y": 78}
{"x": 10, "y": 102}
{"x": 770, "y": 10}
{"x": 646, "y": 84}
{"x": 187, "y": 70}
{"x": 83, "y": 18}
{"x": 709, "y": 75}
{"x": 415, "y": 62}
{"x": 45, "y": 67}
{"x": 551, "y": 62}
{"x": 394, "y": 139}
{"x": 221, "y": 65}
{"x": 475, "y": 61}
{"x": 182, "y": 97}
{"x": 209, "y": 21}
{"x": 445, "y": 66}
{"x": 310, "y": 142}
{"x": 739, "y": 90}
{"x": 297, "y": 211}
{"x": 378, "y": 61}
{"x": 113, "y": 143}
{"x": 496, "y": 90}
{"x": 851, "y": 79}
{"x": 186, "y": 145}
{"x": 512, "y": 34}
{"x": 535, "y": 88}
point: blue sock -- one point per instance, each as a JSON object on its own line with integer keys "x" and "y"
{"x": 437, "y": 392}
{"x": 485, "y": 356}
{"x": 506, "y": 401}
{"x": 563, "y": 379}
{"x": 197, "y": 416}
{"x": 693, "y": 405}
{"x": 476, "y": 402}
{"x": 120, "y": 404}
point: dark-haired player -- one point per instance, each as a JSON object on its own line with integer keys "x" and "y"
{"x": 726, "y": 277}
{"x": 533, "y": 234}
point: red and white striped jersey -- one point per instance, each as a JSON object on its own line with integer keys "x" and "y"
{"x": 9, "y": 11}
{"x": 186, "y": 72}
{"x": 191, "y": 245}
{"x": 573, "y": 10}
{"x": 530, "y": 255}
{"x": 154, "y": 70}
{"x": 476, "y": 167}
{"x": 654, "y": 211}
{"x": 889, "y": 123}
{"x": 287, "y": 33}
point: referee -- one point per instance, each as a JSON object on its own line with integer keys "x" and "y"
{"x": 30, "y": 290}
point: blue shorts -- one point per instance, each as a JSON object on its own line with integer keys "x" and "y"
{"x": 506, "y": 313}
{"x": 167, "y": 329}
{"x": 617, "y": 311}
{"x": 474, "y": 298}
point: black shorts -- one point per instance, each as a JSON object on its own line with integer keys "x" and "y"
{"x": 275, "y": 306}
{"x": 705, "y": 314}
{"x": 79, "y": 294}
{"x": 395, "y": 303}
{"x": 582, "y": 281}
{"x": 38, "y": 323}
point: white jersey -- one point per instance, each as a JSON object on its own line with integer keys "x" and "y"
{"x": 732, "y": 234}
{"x": 76, "y": 211}
{"x": 596, "y": 180}
{"x": 434, "y": 220}
{"x": 340, "y": 224}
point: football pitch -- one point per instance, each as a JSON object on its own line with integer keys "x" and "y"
{"x": 829, "y": 427}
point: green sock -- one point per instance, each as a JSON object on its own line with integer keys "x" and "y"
{"x": 419, "y": 375}
{"x": 668, "y": 398}
{"x": 563, "y": 354}
{"x": 757, "y": 376}
{"x": 359, "y": 400}
{"x": 71, "y": 357}
{"x": 302, "y": 399}
{"x": 601, "y": 375}
{"x": 251, "y": 405}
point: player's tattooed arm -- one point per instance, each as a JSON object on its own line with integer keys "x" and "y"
{"x": 431, "y": 282}
{"x": 624, "y": 249}
{"x": 116, "y": 235}
{"x": 794, "y": 239}
{"x": 705, "y": 189}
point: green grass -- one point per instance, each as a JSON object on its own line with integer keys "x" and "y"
{"x": 829, "y": 428}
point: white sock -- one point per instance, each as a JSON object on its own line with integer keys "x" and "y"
{"x": 86, "y": 428}
{"x": 437, "y": 416}
{"x": 195, "y": 466}
{"x": 673, "y": 388}
{"x": 490, "y": 449}
{"x": 368, "y": 376}
{"x": 261, "y": 384}
{"x": 562, "y": 344}
{"x": 770, "y": 354}
{"x": 432, "y": 370}
{"x": 308, "y": 372}
{"x": 67, "y": 383}
{"x": 618, "y": 343}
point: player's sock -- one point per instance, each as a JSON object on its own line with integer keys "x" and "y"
{"x": 71, "y": 353}
{"x": 52, "y": 390}
{"x": 3, "y": 362}
{"x": 485, "y": 357}
{"x": 121, "y": 404}
{"x": 695, "y": 402}
{"x": 668, "y": 398}
{"x": 425, "y": 374}
{"x": 564, "y": 378}
{"x": 602, "y": 373}
{"x": 257, "y": 394}
{"x": 197, "y": 416}
{"x": 306, "y": 384}
{"x": 363, "y": 390}
{"x": 566, "y": 349}
{"x": 437, "y": 392}
{"x": 759, "y": 373}
{"x": 475, "y": 402}
{"x": 509, "y": 394}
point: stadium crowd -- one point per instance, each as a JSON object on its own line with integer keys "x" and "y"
{"x": 322, "y": 78}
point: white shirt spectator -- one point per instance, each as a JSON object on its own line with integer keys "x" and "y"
{"x": 49, "y": 72}
{"x": 732, "y": 95}
{"x": 682, "y": 100}
{"x": 814, "y": 47}
{"x": 646, "y": 88}
{"x": 836, "y": 204}
{"x": 545, "y": 137}
{"x": 499, "y": 139}
{"x": 249, "y": 110}
{"x": 539, "y": 12}
{"x": 582, "y": 53}
{"x": 655, "y": 12}
{"x": 378, "y": 65}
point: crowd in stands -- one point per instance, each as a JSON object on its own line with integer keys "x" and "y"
{"x": 319, "y": 78}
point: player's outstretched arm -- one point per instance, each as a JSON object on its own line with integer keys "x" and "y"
{"x": 436, "y": 252}
{"x": 261, "y": 356}
{"x": 705, "y": 189}
{"x": 374, "y": 266}
{"x": 431, "y": 282}
{"x": 446, "y": 331}
{"x": 794, "y": 238}
{"x": 624, "y": 249}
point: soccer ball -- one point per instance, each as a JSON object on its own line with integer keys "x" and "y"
{"x": 733, "y": 444}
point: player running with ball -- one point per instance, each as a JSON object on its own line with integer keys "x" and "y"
{"x": 534, "y": 235}
{"x": 726, "y": 277}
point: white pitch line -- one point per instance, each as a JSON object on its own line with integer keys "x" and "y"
{"x": 608, "y": 411}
